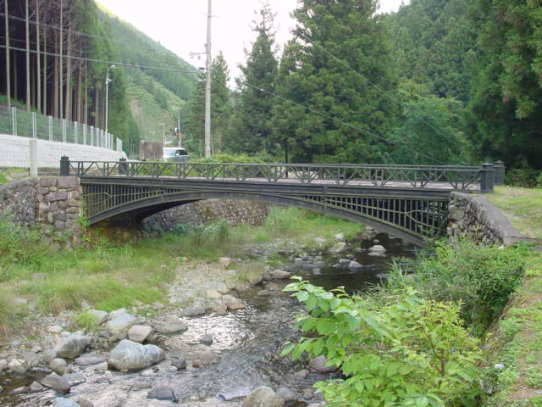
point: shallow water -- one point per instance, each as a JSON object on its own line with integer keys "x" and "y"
{"x": 247, "y": 343}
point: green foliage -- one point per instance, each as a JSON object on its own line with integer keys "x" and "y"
{"x": 507, "y": 97}
{"x": 402, "y": 351}
{"x": 251, "y": 127}
{"x": 232, "y": 158}
{"x": 480, "y": 278}
{"x": 523, "y": 177}
{"x": 431, "y": 130}
{"x": 337, "y": 84}
{"x": 539, "y": 181}
{"x": 18, "y": 246}
{"x": 86, "y": 321}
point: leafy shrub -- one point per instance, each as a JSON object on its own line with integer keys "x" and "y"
{"x": 406, "y": 351}
{"x": 230, "y": 158}
{"x": 18, "y": 245}
{"x": 539, "y": 181}
{"x": 480, "y": 278}
{"x": 524, "y": 177}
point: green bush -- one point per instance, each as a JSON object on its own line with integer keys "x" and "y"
{"x": 230, "y": 158}
{"x": 480, "y": 278}
{"x": 406, "y": 351}
{"x": 539, "y": 181}
{"x": 524, "y": 177}
{"x": 18, "y": 245}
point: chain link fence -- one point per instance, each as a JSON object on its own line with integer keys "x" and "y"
{"x": 17, "y": 122}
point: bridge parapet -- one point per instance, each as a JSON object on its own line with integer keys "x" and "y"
{"x": 449, "y": 177}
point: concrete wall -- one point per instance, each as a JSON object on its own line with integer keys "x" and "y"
{"x": 15, "y": 152}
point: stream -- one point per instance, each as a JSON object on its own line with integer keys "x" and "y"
{"x": 246, "y": 343}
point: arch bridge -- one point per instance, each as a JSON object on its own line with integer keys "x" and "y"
{"x": 407, "y": 201}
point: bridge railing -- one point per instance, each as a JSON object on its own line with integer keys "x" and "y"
{"x": 462, "y": 178}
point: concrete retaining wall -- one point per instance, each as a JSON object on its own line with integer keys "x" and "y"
{"x": 15, "y": 152}
{"x": 476, "y": 217}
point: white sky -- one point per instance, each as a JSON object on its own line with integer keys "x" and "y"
{"x": 180, "y": 25}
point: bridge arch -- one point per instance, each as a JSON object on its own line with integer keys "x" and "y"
{"x": 139, "y": 209}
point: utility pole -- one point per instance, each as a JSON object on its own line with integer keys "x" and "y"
{"x": 27, "y": 25}
{"x": 208, "y": 84}
{"x": 61, "y": 76}
{"x": 8, "y": 65}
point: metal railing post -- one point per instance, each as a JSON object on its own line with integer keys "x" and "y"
{"x": 500, "y": 173}
{"x": 487, "y": 175}
{"x": 14, "y": 121}
{"x": 64, "y": 166}
{"x": 34, "y": 130}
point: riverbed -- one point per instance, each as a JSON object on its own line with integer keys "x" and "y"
{"x": 245, "y": 344}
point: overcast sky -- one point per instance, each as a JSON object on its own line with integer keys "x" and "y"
{"x": 180, "y": 25}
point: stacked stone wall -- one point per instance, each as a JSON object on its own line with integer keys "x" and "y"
{"x": 52, "y": 204}
{"x": 235, "y": 212}
{"x": 474, "y": 216}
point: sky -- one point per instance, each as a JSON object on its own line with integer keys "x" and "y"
{"x": 180, "y": 25}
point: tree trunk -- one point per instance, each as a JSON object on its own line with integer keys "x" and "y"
{"x": 61, "y": 73}
{"x": 69, "y": 87}
{"x": 56, "y": 87}
{"x": 8, "y": 62}
{"x": 38, "y": 56}
{"x": 45, "y": 64}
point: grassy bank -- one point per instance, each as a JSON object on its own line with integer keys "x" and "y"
{"x": 109, "y": 276}
{"x": 523, "y": 206}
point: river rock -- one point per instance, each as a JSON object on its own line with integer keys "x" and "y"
{"x": 206, "y": 340}
{"x": 203, "y": 356}
{"x": 84, "y": 402}
{"x": 3, "y": 365}
{"x": 139, "y": 333}
{"x": 56, "y": 382}
{"x": 75, "y": 379}
{"x": 99, "y": 316}
{"x": 128, "y": 356}
{"x": 279, "y": 274}
{"x": 89, "y": 360}
{"x": 194, "y": 311}
{"x": 339, "y": 247}
{"x": 58, "y": 366}
{"x": 263, "y": 397}
{"x": 232, "y": 302}
{"x": 72, "y": 346}
{"x": 120, "y": 323}
{"x": 17, "y": 366}
{"x": 1, "y": 389}
{"x": 170, "y": 326}
{"x": 286, "y": 394}
{"x": 377, "y": 250}
{"x": 35, "y": 387}
{"x": 319, "y": 364}
{"x": 163, "y": 393}
{"x": 225, "y": 261}
{"x": 354, "y": 266}
{"x": 178, "y": 362}
{"x": 339, "y": 236}
{"x": 63, "y": 402}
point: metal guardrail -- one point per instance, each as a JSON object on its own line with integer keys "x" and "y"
{"x": 17, "y": 122}
{"x": 461, "y": 178}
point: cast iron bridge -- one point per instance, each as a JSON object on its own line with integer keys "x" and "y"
{"x": 410, "y": 202}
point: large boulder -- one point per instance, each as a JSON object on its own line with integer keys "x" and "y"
{"x": 129, "y": 356}
{"x": 72, "y": 346}
{"x": 170, "y": 325}
{"x": 263, "y": 397}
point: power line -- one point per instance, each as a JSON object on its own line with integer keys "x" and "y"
{"x": 101, "y": 61}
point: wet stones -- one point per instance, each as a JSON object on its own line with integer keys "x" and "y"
{"x": 339, "y": 247}
{"x": 163, "y": 393}
{"x": 377, "y": 250}
{"x": 3, "y": 365}
{"x": 263, "y": 397}
{"x": 319, "y": 364}
{"x": 58, "y": 366}
{"x": 17, "y": 366}
{"x": 232, "y": 303}
{"x": 170, "y": 326}
{"x": 63, "y": 402}
{"x": 206, "y": 340}
{"x": 72, "y": 346}
{"x": 130, "y": 356}
{"x": 280, "y": 274}
{"x": 58, "y": 383}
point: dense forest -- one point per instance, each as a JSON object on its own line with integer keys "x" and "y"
{"x": 439, "y": 81}
{"x": 73, "y": 46}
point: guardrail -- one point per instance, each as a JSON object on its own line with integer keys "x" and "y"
{"x": 461, "y": 178}
{"x": 17, "y": 122}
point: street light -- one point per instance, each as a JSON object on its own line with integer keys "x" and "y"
{"x": 107, "y": 81}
